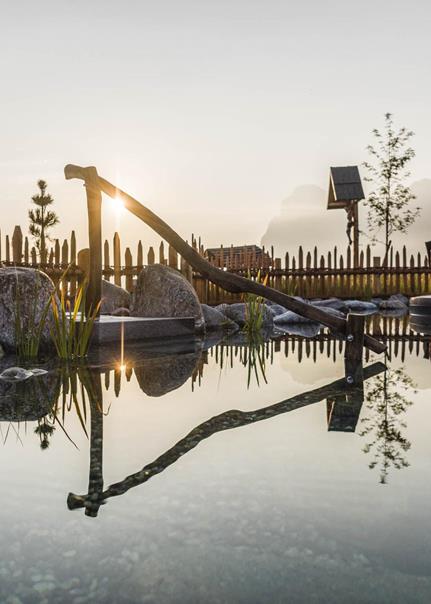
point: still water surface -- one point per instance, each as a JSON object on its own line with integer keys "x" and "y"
{"x": 319, "y": 499}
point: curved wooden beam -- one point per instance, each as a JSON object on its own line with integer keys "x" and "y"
{"x": 229, "y": 281}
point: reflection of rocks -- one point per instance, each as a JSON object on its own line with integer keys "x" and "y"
{"x": 158, "y": 375}
{"x": 30, "y": 399}
{"x": 306, "y": 330}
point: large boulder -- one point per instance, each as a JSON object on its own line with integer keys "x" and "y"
{"x": 163, "y": 292}
{"x": 217, "y": 321}
{"x": 238, "y": 314}
{"x": 113, "y": 297}
{"x": 24, "y": 293}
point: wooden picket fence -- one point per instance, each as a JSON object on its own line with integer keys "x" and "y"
{"x": 307, "y": 274}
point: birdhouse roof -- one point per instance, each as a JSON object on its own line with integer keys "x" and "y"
{"x": 345, "y": 186}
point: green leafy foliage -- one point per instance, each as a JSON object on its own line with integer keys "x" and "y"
{"x": 389, "y": 202}
{"x": 42, "y": 218}
{"x": 72, "y": 325}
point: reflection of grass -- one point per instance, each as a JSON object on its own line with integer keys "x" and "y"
{"x": 255, "y": 360}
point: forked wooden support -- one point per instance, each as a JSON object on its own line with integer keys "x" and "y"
{"x": 229, "y": 281}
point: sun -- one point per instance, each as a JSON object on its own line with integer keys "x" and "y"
{"x": 117, "y": 205}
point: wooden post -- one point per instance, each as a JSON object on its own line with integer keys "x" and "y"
{"x": 94, "y": 209}
{"x": 17, "y": 245}
{"x": 354, "y": 349}
{"x": 128, "y": 269}
{"x": 355, "y": 235}
{"x": 117, "y": 260}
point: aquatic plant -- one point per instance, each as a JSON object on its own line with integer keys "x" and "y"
{"x": 29, "y": 329}
{"x": 72, "y": 325}
{"x": 255, "y": 308}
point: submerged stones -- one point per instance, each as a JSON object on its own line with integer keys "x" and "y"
{"x": 18, "y": 374}
{"x": 25, "y": 295}
{"x": 162, "y": 291}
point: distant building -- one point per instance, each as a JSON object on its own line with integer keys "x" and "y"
{"x": 237, "y": 256}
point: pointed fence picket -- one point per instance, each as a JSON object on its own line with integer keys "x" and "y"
{"x": 309, "y": 273}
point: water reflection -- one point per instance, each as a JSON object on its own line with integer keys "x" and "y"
{"x": 384, "y": 423}
{"x": 48, "y": 400}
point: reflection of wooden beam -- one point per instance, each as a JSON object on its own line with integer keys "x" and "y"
{"x": 229, "y": 281}
{"x": 224, "y": 421}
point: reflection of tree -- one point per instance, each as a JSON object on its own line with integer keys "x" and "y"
{"x": 387, "y": 401}
{"x": 45, "y": 429}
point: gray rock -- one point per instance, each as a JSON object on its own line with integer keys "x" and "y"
{"x": 164, "y": 292}
{"x": 238, "y": 313}
{"x": 291, "y": 317}
{"x": 121, "y": 312}
{"x": 277, "y": 309}
{"x": 28, "y": 291}
{"x": 334, "y": 312}
{"x": 394, "y": 303}
{"x": 402, "y": 298}
{"x": 306, "y": 330}
{"x": 361, "y": 306}
{"x": 15, "y": 374}
{"x": 113, "y": 298}
{"x": 217, "y": 321}
{"x": 334, "y": 303}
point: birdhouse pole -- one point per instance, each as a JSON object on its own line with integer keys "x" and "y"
{"x": 345, "y": 192}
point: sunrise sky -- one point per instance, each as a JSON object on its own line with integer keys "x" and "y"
{"x": 209, "y": 112}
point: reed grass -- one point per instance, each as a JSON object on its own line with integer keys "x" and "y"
{"x": 255, "y": 309}
{"x": 28, "y": 331}
{"x": 72, "y": 325}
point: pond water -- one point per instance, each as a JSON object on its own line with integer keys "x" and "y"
{"x": 124, "y": 489}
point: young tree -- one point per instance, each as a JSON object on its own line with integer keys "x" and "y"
{"x": 390, "y": 200}
{"x": 42, "y": 218}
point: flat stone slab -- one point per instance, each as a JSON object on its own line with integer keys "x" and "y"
{"x": 420, "y": 305}
{"x": 109, "y": 329}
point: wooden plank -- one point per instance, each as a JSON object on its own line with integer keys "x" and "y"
{"x": 106, "y": 261}
{"x": 128, "y": 269}
{"x": 17, "y": 241}
{"x": 151, "y": 257}
{"x": 140, "y": 257}
{"x": 117, "y": 259}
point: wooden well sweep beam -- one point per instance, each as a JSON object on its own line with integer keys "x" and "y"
{"x": 229, "y": 281}
{"x": 224, "y": 421}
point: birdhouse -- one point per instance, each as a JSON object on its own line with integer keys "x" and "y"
{"x": 345, "y": 191}
{"x": 345, "y": 187}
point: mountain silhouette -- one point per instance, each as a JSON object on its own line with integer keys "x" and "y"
{"x": 304, "y": 220}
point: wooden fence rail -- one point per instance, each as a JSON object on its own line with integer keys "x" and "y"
{"x": 308, "y": 274}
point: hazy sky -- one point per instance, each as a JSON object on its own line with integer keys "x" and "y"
{"x": 210, "y": 112}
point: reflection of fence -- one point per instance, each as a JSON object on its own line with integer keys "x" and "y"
{"x": 308, "y": 274}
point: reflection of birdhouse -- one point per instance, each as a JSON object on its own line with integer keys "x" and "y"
{"x": 345, "y": 187}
